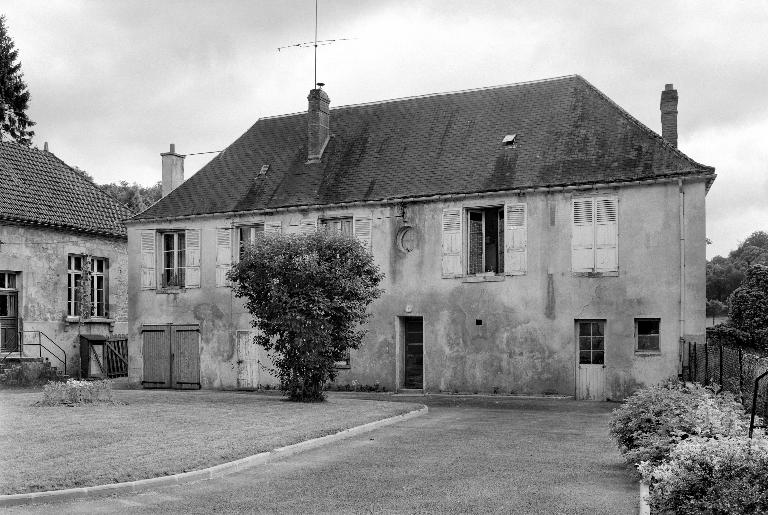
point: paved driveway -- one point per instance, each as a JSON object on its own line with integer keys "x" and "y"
{"x": 466, "y": 456}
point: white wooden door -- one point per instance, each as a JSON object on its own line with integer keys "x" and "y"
{"x": 590, "y": 375}
{"x": 247, "y": 361}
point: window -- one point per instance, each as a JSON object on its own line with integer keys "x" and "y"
{"x": 647, "y": 334}
{"x": 594, "y": 240}
{"x": 247, "y": 235}
{"x": 485, "y": 241}
{"x": 591, "y": 342}
{"x": 8, "y": 294}
{"x": 341, "y": 225}
{"x": 174, "y": 259}
{"x": 87, "y": 281}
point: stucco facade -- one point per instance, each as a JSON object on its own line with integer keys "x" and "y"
{"x": 484, "y": 333}
{"x": 38, "y": 259}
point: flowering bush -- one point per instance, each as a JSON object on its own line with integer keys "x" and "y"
{"x": 711, "y": 475}
{"x": 653, "y": 420}
{"x": 76, "y": 392}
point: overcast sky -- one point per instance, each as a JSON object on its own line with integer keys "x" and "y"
{"x": 114, "y": 82}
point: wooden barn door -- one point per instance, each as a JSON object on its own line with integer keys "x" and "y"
{"x": 590, "y": 376}
{"x": 171, "y": 356}
{"x": 156, "y": 352}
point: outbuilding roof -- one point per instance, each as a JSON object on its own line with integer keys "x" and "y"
{"x": 38, "y": 188}
{"x": 566, "y": 132}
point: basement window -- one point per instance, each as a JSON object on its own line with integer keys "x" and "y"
{"x": 647, "y": 335}
{"x": 485, "y": 241}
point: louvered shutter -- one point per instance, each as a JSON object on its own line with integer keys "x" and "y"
{"x": 583, "y": 236}
{"x": 606, "y": 234}
{"x": 451, "y": 228}
{"x": 361, "y": 228}
{"x": 515, "y": 238}
{"x": 223, "y": 255}
{"x": 148, "y": 260}
{"x": 192, "y": 256}
{"x": 273, "y": 227}
{"x": 308, "y": 225}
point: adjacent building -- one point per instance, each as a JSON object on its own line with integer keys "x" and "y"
{"x": 536, "y": 238}
{"x": 63, "y": 260}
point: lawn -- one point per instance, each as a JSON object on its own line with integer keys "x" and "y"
{"x": 157, "y": 433}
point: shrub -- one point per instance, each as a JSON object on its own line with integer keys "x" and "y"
{"x": 308, "y": 295}
{"x": 654, "y": 419}
{"x": 76, "y": 392}
{"x": 707, "y": 475}
{"x": 749, "y": 303}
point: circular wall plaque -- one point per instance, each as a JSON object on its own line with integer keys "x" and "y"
{"x": 406, "y": 239}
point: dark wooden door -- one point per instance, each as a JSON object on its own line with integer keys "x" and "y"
{"x": 414, "y": 352}
{"x": 156, "y": 352}
{"x": 9, "y": 323}
{"x": 185, "y": 355}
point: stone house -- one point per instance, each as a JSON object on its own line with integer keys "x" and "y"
{"x": 63, "y": 260}
{"x": 536, "y": 238}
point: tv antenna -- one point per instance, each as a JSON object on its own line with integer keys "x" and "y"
{"x": 314, "y": 44}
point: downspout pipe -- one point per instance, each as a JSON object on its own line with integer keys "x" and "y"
{"x": 681, "y": 209}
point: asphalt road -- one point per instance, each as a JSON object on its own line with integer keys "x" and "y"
{"x": 478, "y": 455}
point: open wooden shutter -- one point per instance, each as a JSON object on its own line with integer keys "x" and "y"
{"x": 451, "y": 228}
{"x": 192, "y": 255}
{"x": 308, "y": 225}
{"x": 583, "y": 236}
{"x": 273, "y": 227}
{"x": 361, "y": 228}
{"x": 515, "y": 238}
{"x": 148, "y": 260}
{"x": 223, "y": 256}
{"x": 606, "y": 234}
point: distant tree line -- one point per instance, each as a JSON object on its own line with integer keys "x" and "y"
{"x": 134, "y": 196}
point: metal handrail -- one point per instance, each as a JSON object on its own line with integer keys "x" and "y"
{"x": 754, "y": 402}
{"x": 39, "y": 344}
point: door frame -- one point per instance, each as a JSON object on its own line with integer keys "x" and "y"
{"x": 576, "y": 322}
{"x": 399, "y": 321}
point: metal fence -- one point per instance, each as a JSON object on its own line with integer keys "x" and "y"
{"x": 732, "y": 369}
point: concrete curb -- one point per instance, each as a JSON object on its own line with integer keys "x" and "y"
{"x": 206, "y": 473}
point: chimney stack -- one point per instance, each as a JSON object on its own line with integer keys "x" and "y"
{"x": 173, "y": 170}
{"x": 669, "y": 114}
{"x": 318, "y": 123}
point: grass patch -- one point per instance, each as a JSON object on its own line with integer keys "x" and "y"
{"x": 157, "y": 433}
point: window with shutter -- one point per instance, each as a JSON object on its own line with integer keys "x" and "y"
{"x": 192, "y": 272}
{"x": 594, "y": 240}
{"x": 362, "y": 230}
{"x": 148, "y": 260}
{"x": 515, "y": 238}
{"x": 273, "y": 227}
{"x": 246, "y": 235}
{"x": 485, "y": 237}
{"x": 308, "y": 225}
{"x": 451, "y": 247}
{"x": 223, "y": 256}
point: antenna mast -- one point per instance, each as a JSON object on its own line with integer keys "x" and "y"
{"x": 315, "y": 83}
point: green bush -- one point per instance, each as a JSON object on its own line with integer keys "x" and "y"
{"x": 76, "y": 392}
{"x": 749, "y": 304}
{"x": 653, "y": 420}
{"x": 726, "y": 475}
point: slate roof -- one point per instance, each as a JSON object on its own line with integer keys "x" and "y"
{"x": 568, "y": 133}
{"x": 38, "y": 188}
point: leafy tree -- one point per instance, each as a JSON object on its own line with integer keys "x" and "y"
{"x": 724, "y": 274}
{"x": 134, "y": 196}
{"x": 14, "y": 96}
{"x": 308, "y": 296}
{"x": 749, "y": 304}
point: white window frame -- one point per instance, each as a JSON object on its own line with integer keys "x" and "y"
{"x": 98, "y": 309}
{"x": 180, "y": 270}
{"x": 468, "y": 252}
{"x": 252, "y": 228}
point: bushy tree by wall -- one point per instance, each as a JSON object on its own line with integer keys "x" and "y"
{"x": 14, "y": 96}
{"x": 308, "y": 296}
{"x": 749, "y": 304}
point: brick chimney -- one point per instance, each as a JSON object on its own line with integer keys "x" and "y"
{"x": 318, "y": 123}
{"x": 669, "y": 114}
{"x": 173, "y": 170}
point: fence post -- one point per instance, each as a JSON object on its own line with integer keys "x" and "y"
{"x": 741, "y": 377}
{"x": 754, "y": 402}
{"x": 706, "y": 364}
{"x": 721, "y": 367}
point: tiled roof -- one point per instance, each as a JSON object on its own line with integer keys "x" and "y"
{"x": 36, "y": 187}
{"x": 568, "y": 133}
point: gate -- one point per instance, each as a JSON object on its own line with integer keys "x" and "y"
{"x": 171, "y": 355}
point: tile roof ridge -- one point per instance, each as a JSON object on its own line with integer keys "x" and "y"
{"x": 428, "y": 95}
{"x": 458, "y": 92}
{"x": 641, "y": 125}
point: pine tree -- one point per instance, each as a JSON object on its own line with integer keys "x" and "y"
{"x": 14, "y": 97}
